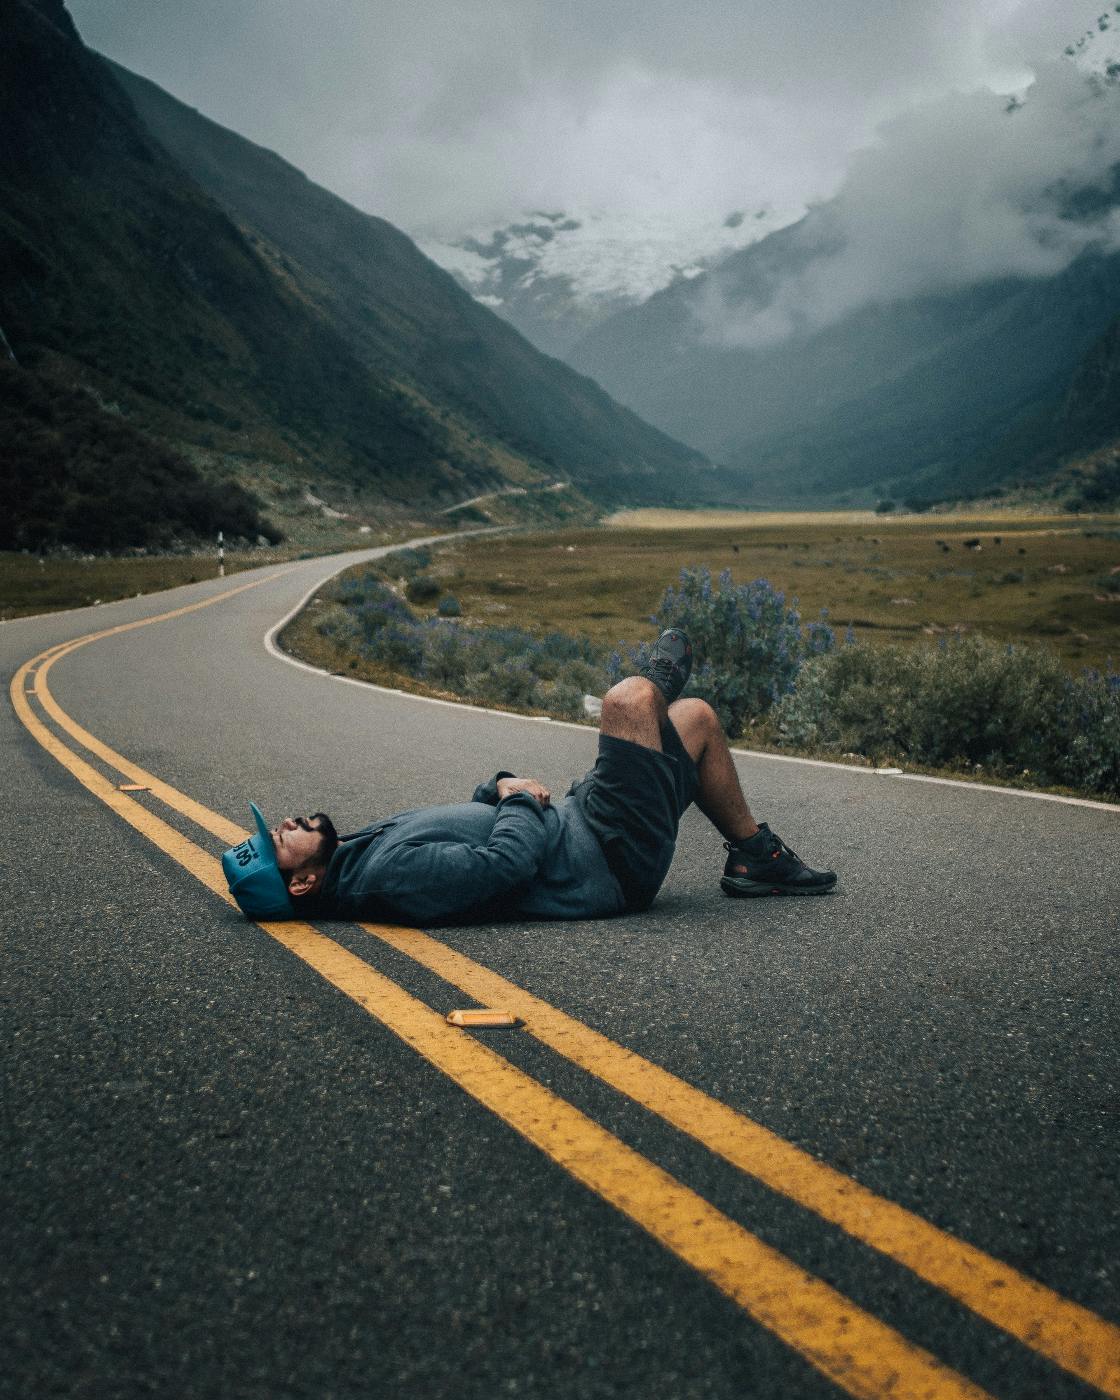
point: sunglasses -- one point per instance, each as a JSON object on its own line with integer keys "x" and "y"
{"x": 325, "y": 828}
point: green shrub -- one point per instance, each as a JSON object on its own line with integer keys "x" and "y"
{"x": 422, "y": 589}
{"x": 561, "y": 698}
{"x": 967, "y": 702}
{"x": 751, "y": 644}
{"x": 511, "y": 681}
{"x": 448, "y": 652}
{"x": 339, "y": 625}
{"x": 502, "y": 665}
{"x": 402, "y": 563}
{"x": 582, "y": 676}
{"x": 449, "y": 606}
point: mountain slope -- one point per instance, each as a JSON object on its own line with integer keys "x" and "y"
{"x": 897, "y": 392}
{"x": 1067, "y": 445}
{"x": 1091, "y": 410}
{"x": 409, "y": 320}
{"x": 121, "y": 274}
{"x": 72, "y": 474}
{"x": 205, "y": 350}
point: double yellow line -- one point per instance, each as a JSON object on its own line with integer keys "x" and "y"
{"x": 851, "y": 1347}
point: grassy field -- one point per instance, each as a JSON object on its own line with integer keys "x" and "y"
{"x": 28, "y": 587}
{"x": 662, "y": 518}
{"x": 903, "y": 579}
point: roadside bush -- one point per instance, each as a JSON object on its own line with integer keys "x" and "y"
{"x": 751, "y": 643}
{"x": 404, "y": 563}
{"x": 510, "y": 682}
{"x": 377, "y": 608}
{"x": 398, "y": 645}
{"x": 447, "y": 654}
{"x": 964, "y": 703}
{"x": 355, "y": 589}
{"x": 339, "y": 625}
{"x": 497, "y": 665}
{"x": 422, "y": 589}
{"x": 583, "y": 676}
{"x": 560, "y": 698}
{"x": 1092, "y": 760}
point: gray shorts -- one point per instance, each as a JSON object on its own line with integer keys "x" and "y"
{"x": 634, "y": 799}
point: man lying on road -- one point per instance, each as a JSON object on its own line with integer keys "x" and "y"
{"x": 604, "y": 849}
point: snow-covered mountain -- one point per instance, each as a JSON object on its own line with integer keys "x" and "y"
{"x": 558, "y": 275}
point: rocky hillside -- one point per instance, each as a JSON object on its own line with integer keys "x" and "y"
{"x": 1091, "y": 408}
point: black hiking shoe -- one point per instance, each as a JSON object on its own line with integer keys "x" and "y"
{"x": 669, "y": 664}
{"x": 766, "y": 865}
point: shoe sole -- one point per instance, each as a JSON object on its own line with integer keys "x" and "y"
{"x": 671, "y": 699}
{"x": 754, "y": 889}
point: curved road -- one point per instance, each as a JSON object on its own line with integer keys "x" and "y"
{"x": 862, "y": 1145}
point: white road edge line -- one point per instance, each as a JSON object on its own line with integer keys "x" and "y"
{"x": 271, "y": 647}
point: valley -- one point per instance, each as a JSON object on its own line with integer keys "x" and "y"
{"x": 1027, "y": 579}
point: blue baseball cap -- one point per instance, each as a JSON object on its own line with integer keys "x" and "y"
{"x": 253, "y": 876}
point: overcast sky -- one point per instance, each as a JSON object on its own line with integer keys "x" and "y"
{"x": 448, "y": 115}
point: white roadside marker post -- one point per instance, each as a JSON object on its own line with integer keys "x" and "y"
{"x": 221, "y": 555}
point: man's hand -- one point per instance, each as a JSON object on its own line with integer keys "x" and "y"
{"x": 508, "y": 786}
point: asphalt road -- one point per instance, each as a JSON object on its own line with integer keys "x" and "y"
{"x": 222, "y": 1176}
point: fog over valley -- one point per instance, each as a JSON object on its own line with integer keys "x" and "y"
{"x": 965, "y": 189}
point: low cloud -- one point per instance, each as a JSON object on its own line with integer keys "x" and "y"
{"x": 446, "y": 115}
{"x": 961, "y": 190}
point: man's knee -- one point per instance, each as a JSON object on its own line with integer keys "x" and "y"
{"x": 697, "y": 724}
{"x": 632, "y": 696}
{"x": 694, "y": 713}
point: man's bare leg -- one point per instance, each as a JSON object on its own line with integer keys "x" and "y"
{"x": 758, "y": 861}
{"x": 635, "y": 709}
{"x": 720, "y": 794}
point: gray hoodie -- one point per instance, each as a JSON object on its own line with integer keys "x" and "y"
{"x": 473, "y": 860}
